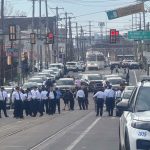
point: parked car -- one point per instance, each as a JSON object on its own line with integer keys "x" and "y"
{"x": 134, "y": 126}
{"x": 57, "y": 72}
{"x": 65, "y": 84}
{"x": 60, "y": 66}
{"x": 29, "y": 85}
{"x": 39, "y": 81}
{"x": 92, "y": 80}
{"x": 74, "y": 66}
{"x": 116, "y": 82}
{"x": 134, "y": 65}
{"x": 125, "y": 96}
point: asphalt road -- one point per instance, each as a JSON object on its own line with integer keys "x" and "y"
{"x": 71, "y": 130}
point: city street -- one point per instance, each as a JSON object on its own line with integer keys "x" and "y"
{"x": 71, "y": 130}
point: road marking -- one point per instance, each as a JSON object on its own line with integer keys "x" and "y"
{"x": 59, "y": 134}
{"x": 82, "y": 135}
{"x": 135, "y": 77}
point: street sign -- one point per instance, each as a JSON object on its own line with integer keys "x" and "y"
{"x": 125, "y": 11}
{"x": 139, "y": 35}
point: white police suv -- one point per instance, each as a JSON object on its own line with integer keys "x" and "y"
{"x": 134, "y": 129}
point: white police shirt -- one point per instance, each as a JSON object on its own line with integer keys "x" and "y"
{"x": 3, "y": 95}
{"x": 34, "y": 94}
{"x": 51, "y": 95}
{"x": 18, "y": 95}
{"x": 44, "y": 95}
{"x": 38, "y": 95}
{"x": 100, "y": 94}
{"x": 80, "y": 94}
{"x": 106, "y": 92}
{"x": 118, "y": 94}
{"x": 28, "y": 96}
{"x": 111, "y": 93}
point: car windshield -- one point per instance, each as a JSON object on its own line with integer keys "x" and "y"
{"x": 94, "y": 77}
{"x": 143, "y": 100}
{"x": 126, "y": 95}
{"x": 73, "y": 64}
{"x": 29, "y": 85}
{"x": 36, "y": 80}
{"x": 114, "y": 81}
{"x": 65, "y": 82}
{"x": 57, "y": 66}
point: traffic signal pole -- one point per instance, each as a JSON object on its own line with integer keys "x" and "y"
{"x": 2, "y": 46}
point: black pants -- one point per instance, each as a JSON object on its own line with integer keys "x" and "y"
{"x": 40, "y": 107}
{"x": 51, "y": 106}
{"x": 71, "y": 104}
{"x": 18, "y": 109}
{"x": 34, "y": 107}
{"x": 100, "y": 105}
{"x": 3, "y": 107}
{"x": 27, "y": 107}
{"x": 111, "y": 105}
{"x": 46, "y": 106}
{"x": 81, "y": 102}
{"x": 86, "y": 103}
{"x": 57, "y": 104}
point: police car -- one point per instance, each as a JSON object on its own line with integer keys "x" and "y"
{"x": 135, "y": 122}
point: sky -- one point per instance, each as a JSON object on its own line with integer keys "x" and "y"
{"x": 84, "y": 11}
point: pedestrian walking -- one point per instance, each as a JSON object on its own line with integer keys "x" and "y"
{"x": 100, "y": 97}
{"x": 71, "y": 99}
{"x": 58, "y": 97}
{"x": 86, "y": 97}
{"x": 51, "y": 101}
{"x": 39, "y": 102}
{"x": 18, "y": 97}
{"x": 111, "y": 101}
{"x": 34, "y": 103}
{"x": 127, "y": 77}
{"x": 106, "y": 91}
{"x": 78, "y": 83}
{"x": 80, "y": 96}
{"x": 27, "y": 102}
{"x": 44, "y": 98}
{"x": 66, "y": 99}
{"x": 3, "y": 99}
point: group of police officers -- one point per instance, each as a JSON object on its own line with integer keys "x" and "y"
{"x": 47, "y": 99}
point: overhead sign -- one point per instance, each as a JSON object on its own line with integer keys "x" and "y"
{"x": 139, "y": 35}
{"x": 125, "y": 11}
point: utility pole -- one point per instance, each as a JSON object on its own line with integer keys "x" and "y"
{"x": 32, "y": 45}
{"x": 81, "y": 38}
{"x": 56, "y": 33}
{"x": 77, "y": 40}
{"x": 40, "y": 28}
{"x": 71, "y": 52}
{"x": 2, "y": 45}
{"x": 90, "y": 33}
{"x": 47, "y": 48}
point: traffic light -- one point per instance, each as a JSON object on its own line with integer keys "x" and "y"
{"x": 32, "y": 38}
{"x": 112, "y": 35}
{"x": 12, "y": 32}
{"x": 50, "y": 38}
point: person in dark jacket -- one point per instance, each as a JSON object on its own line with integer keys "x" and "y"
{"x": 58, "y": 97}
{"x": 51, "y": 100}
{"x": 66, "y": 99}
{"x": 71, "y": 99}
{"x": 86, "y": 97}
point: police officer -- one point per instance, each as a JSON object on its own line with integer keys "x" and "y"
{"x": 44, "y": 99}
{"x": 18, "y": 97}
{"x": 58, "y": 97}
{"x": 106, "y": 98}
{"x": 100, "y": 97}
{"x": 34, "y": 103}
{"x": 86, "y": 97}
{"x": 27, "y": 102}
{"x": 66, "y": 99}
{"x": 80, "y": 96}
{"x": 111, "y": 101}
{"x": 51, "y": 101}
{"x": 3, "y": 99}
{"x": 71, "y": 99}
{"x": 39, "y": 102}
